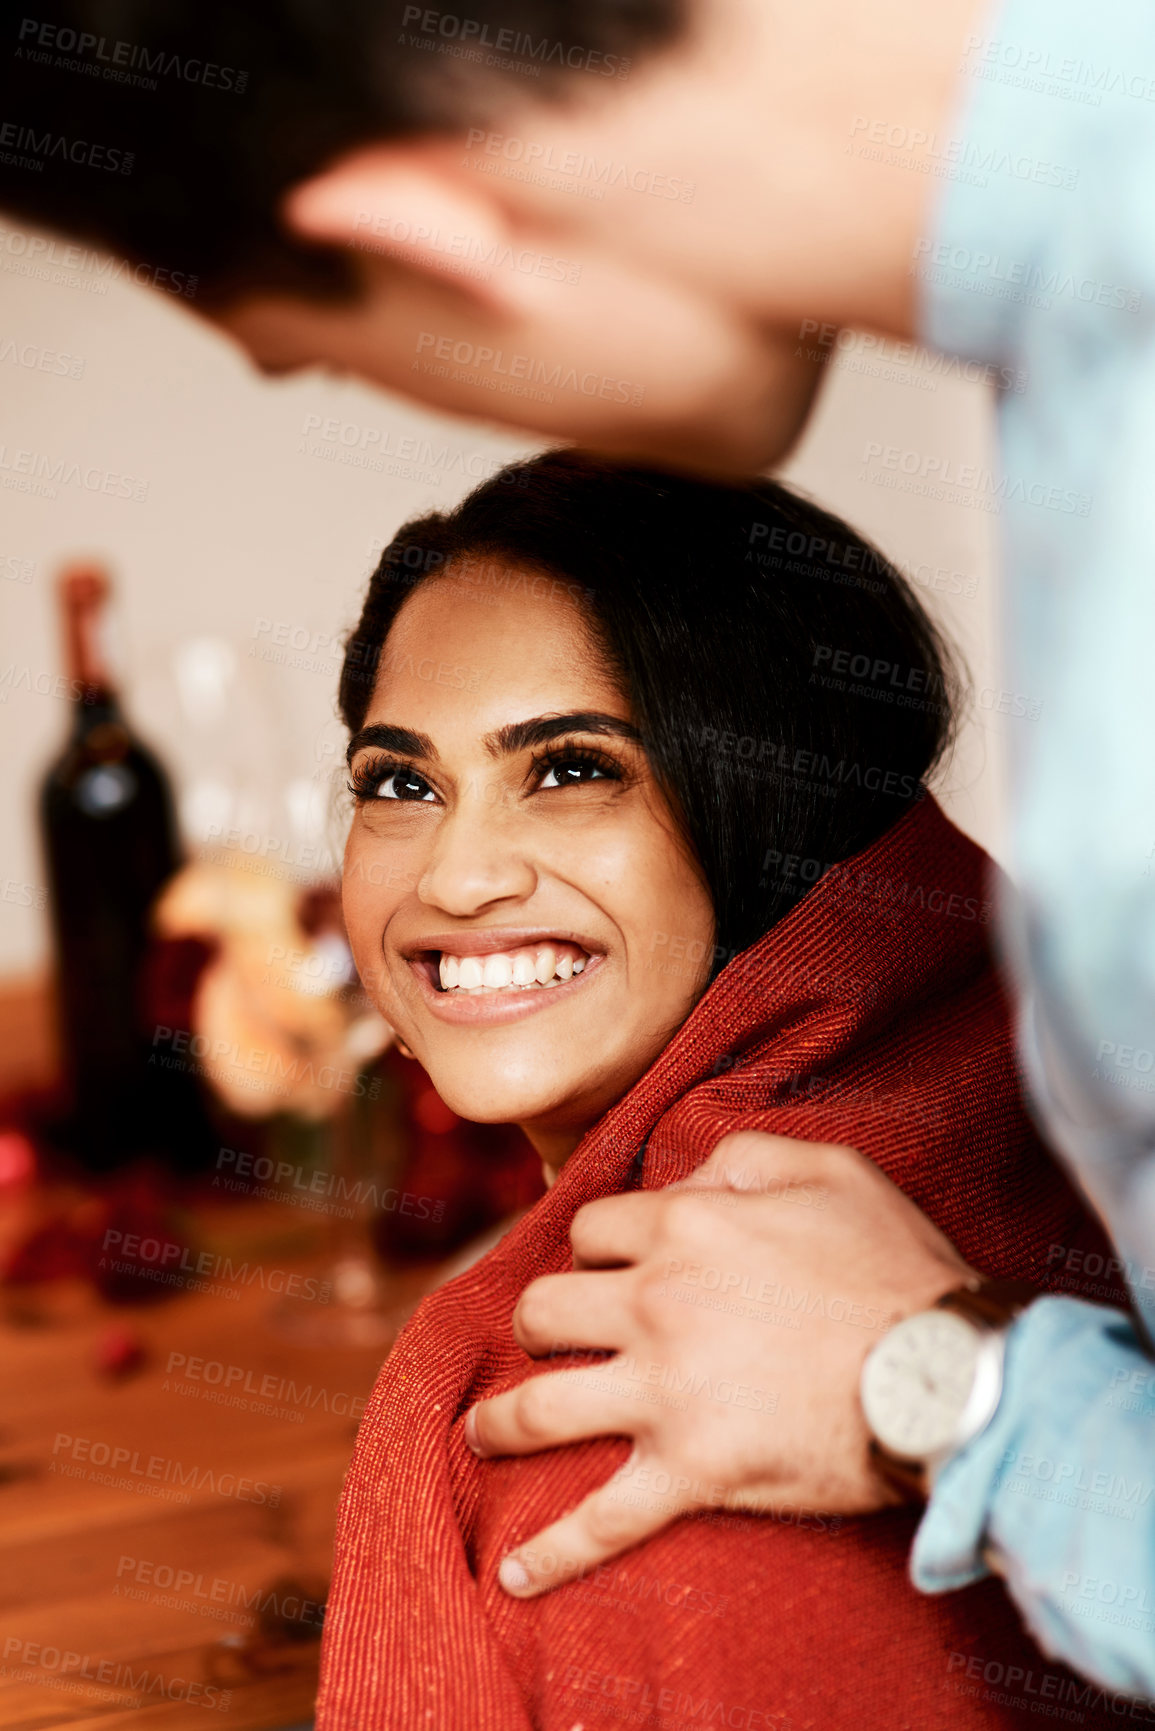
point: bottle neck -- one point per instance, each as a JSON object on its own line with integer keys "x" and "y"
{"x": 94, "y": 707}
{"x": 85, "y": 593}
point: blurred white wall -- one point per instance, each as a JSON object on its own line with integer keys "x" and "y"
{"x": 253, "y": 539}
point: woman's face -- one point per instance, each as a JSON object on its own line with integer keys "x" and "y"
{"x": 518, "y": 899}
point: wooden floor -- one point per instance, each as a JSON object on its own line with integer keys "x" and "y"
{"x": 144, "y": 1523}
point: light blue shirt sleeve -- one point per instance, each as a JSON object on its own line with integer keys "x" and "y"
{"x": 1058, "y": 1494}
{"x": 1042, "y": 261}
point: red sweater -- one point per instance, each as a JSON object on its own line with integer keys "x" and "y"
{"x": 872, "y": 1016}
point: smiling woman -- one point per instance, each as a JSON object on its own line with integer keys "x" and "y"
{"x": 596, "y": 755}
{"x": 642, "y": 857}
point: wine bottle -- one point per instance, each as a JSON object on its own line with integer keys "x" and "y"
{"x": 110, "y": 843}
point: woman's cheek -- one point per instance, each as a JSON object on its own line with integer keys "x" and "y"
{"x": 632, "y": 872}
{"x": 366, "y": 954}
{"x": 369, "y": 895}
{"x": 670, "y": 929}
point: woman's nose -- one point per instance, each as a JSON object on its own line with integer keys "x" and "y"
{"x": 476, "y": 860}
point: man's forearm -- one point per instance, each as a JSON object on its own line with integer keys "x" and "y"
{"x": 1058, "y": 1494}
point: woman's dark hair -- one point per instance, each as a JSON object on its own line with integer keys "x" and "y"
{"x": 791, "y": 692}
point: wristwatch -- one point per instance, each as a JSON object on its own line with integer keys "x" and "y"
{"x": 934, "y": 1381}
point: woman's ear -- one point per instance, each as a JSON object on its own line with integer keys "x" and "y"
{"x": 410, "y": 201}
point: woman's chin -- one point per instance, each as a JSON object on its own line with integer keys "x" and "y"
{"x": 492, "y": 1104}
{"x": 493, "y": 1109}
{"x": 484, "y": 1096}
{"x": 540, "y": 1087}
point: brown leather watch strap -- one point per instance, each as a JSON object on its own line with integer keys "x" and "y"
{"x": 908, "y": 1478}
{"x": 991, "y": 1303}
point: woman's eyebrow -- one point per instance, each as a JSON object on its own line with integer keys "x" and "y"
{"x": 403, "y": 740}
{"x": 515, "y": 736}
{"x": 523, "y": 735}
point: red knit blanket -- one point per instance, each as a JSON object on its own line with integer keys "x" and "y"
{"x": 872, "y": 1016}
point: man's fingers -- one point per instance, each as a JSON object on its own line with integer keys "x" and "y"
{"x": 561, "y": 1406}
{"x": 613, "y": 1230}
{"x": 610, "y": 1520}
{"x": 756, "y": 1161}
{"x": 562, "y": 1311}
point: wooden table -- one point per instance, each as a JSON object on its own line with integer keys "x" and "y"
{"x": 147, "y": 1522}
{"x": 131, "y": 1581}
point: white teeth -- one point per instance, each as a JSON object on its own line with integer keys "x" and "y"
{"x": 541, "y": 966}
{"x": 523, "y": 974}
{"x": 470, "y": 972}
{"x": 497, "y": 972}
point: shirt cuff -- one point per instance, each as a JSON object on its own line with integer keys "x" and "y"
{"x": 1038, "y": 1417}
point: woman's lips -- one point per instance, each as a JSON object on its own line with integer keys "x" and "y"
{"x": 468, "y": 984}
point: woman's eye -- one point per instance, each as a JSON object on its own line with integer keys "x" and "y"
{"x": 404, "y": 784}
{"x": 571, "y": 773}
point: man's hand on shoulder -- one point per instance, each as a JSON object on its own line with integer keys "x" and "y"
{"x": 739, "y": 1307}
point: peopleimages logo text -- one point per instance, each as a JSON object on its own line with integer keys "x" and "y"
{"x": 81, "y": 151}
{"x": 475, "y": 33}
{"x": 118, "y": 60}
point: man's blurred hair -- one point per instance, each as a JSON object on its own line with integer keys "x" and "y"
{"x": 170, "y": 130}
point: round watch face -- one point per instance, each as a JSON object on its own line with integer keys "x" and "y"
{"x": 917, "y": 1381}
